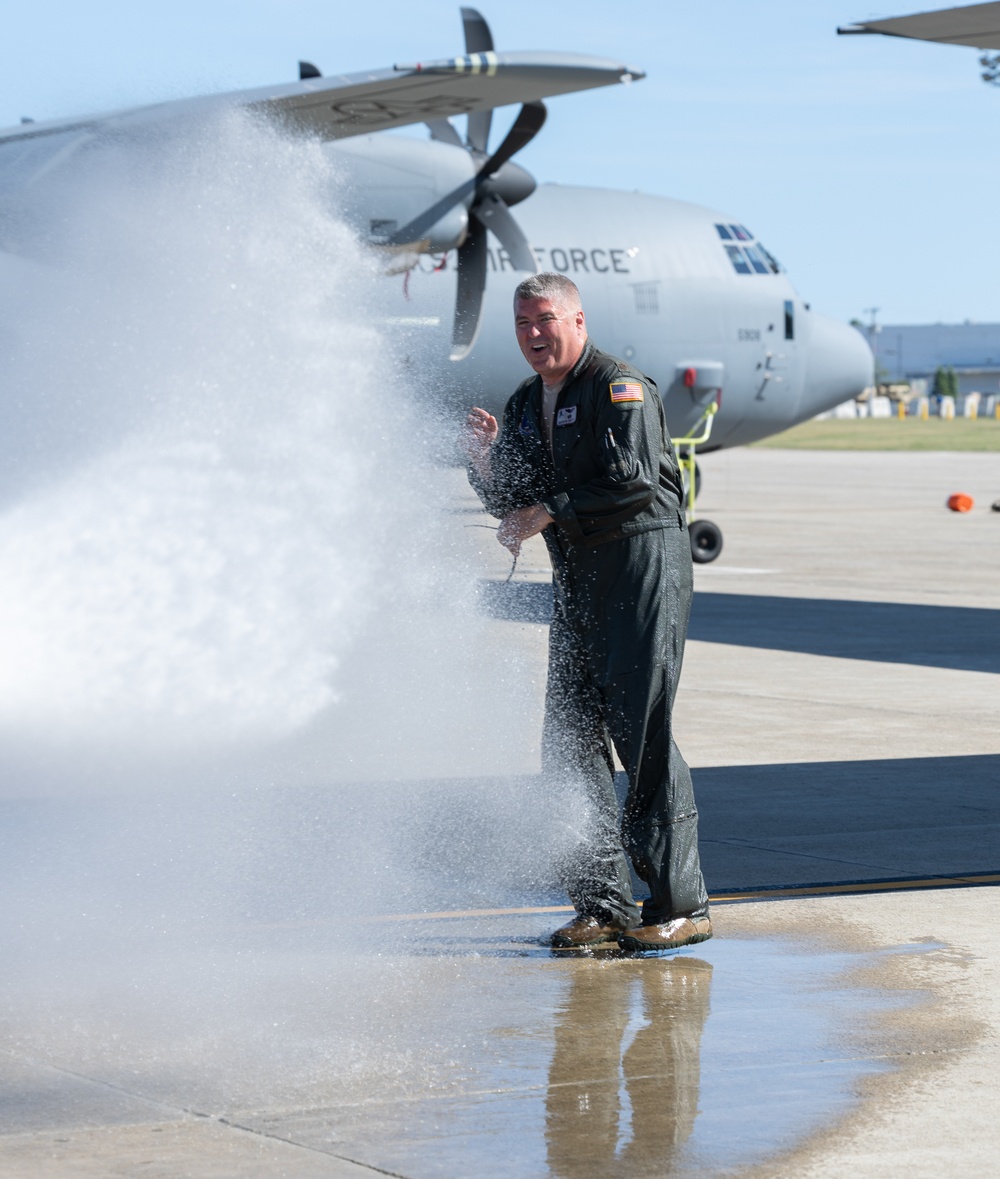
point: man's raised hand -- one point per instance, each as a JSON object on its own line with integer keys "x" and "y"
{"x": 477, "y": 437}
{"x": 479, "y": 434}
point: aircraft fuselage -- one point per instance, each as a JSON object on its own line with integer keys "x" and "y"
{"x": 683, "y": 292}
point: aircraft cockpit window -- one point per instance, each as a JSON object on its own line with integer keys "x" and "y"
{"x": 740, "y": 264}
{"x": 756, "y": 261}
{"x": 747, "y": 259}
{"x": 770, "y": 259}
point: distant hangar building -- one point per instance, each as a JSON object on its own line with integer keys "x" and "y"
{"x": 914, "y": 352}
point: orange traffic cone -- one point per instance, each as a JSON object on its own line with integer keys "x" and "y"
{"x": 960, "y": 502}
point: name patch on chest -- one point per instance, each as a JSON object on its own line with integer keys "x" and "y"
{"x": 566, "y": 416}
{"x": 625, "y": 391}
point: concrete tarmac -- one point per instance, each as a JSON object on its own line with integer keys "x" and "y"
{"x": 838, "y": 707}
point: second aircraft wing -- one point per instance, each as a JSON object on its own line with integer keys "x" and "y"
{"x": 977, "y": 25}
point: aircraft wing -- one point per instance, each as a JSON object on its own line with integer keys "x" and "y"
{"x": 334, "y": 108}
{"x": 356, "y": 104}
{"x": 972, "y": 24}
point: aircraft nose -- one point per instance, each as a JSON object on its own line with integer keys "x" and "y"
{"x": 839, "y": 365}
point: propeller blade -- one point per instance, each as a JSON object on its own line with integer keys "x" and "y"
{"x": 469, "y": 295}
{"x": 530, "y": 120}
{"x": 478, "y": 130}
{"x": 414, "y": 230}
{"x": 444, "y": 132}
{"x": 495, "y": 215}
{"x": 478, "y": 39}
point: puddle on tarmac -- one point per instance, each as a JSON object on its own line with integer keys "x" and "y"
{"x": 464, "y": 1046}
{"x": 697, "y": 1064}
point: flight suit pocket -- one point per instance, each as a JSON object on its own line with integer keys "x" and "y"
{"x": 619, "y": 461}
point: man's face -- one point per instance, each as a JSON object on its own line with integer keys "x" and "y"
{"x": 550, "y": 336}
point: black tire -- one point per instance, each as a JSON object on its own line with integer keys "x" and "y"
{"x": 706, "y": 541}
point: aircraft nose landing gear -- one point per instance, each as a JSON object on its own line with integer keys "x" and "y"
{"x": 706, "y": 537}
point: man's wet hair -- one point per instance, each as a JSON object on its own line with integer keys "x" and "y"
{"x": 556, "y": 287}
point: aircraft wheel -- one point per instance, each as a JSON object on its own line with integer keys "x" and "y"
{"x": 706, "y": 541}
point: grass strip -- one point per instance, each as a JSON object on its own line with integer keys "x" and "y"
{"x": 889, "y": 434}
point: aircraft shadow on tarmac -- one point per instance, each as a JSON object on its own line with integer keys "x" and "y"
{"x": 959, "y": 637}
{"x": 470, "y": 844}
{"x": 489, "y": 842}
{"x": 764, "y": 826}
{"x": 827, "y": 822}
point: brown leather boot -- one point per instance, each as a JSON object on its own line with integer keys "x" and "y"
{"x": 681, "y": 931}
{"x": 584, "y": 931}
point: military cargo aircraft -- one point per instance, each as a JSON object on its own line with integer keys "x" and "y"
{"x": 686, "y": 293}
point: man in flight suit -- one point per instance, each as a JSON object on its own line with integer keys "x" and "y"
{"x": 583, "y": 457}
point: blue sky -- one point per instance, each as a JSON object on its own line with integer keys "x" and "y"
{"x": 866, "y": 164}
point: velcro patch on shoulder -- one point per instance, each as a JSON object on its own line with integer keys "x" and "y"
{"x": 625, "y": 391}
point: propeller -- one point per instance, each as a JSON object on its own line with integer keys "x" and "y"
{"x": 497, "y": 184}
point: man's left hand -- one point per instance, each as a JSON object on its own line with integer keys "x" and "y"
{"x": 518, "y": 526}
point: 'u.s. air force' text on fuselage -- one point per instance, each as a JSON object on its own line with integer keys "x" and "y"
{"x": 568, "y": 260}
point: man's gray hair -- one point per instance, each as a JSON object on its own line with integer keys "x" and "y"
{"x": 556, "y": 287}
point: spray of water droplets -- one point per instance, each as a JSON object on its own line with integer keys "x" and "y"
{"x": 205, "y": 469}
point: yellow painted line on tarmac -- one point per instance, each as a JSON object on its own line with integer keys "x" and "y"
{"x": 819, "y": 890}
{"x": 449, "y": 913}
{"x": 477, "y": 913}
{"x": 811, "y": 890}
{"x": 766, "y": 894}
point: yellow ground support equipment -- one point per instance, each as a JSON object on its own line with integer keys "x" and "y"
{"x": 706, "y": 537}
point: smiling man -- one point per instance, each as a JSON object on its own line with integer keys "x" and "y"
{"x": 584, "y": 458}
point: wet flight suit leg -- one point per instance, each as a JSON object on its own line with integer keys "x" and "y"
{"x": 615, "y": 652}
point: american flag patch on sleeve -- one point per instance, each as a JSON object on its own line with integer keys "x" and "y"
{"x": 625, "y": 391}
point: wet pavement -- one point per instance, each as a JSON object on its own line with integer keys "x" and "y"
{"x": 461, "y": 1046}
{"x": 610, "y": 1067}
{"x": 251, "y": 1027}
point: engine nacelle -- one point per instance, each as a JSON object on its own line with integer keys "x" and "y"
{"x": 385, "y": 182}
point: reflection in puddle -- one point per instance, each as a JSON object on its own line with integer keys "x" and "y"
{"x": 624, "y": 1080}
{"x": 702, "y": 1065}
